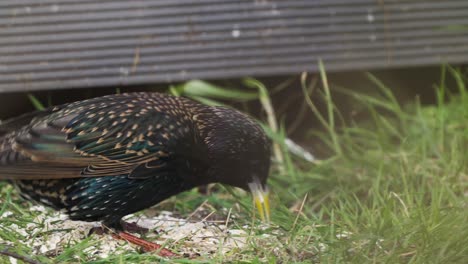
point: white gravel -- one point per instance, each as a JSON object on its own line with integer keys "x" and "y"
{"x": 51, "y": 232}
{"x": 197, "y": 237}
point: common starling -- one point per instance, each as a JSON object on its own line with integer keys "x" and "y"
{"x": 104, "y": 158}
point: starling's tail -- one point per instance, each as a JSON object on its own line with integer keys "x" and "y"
{"x": 7, "y": 129}
{"x": 18, "y": 122}
{"x": 7, "y": 155}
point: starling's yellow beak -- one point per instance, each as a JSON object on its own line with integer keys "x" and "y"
{"x": 260, "y": 196}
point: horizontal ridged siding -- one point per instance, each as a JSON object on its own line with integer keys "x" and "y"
{"x": 47, "y": 44}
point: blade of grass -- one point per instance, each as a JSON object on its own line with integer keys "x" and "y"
{"x": 204, "y": 89}
{"x": 330, "y": 109}
{"x": 35, "y": 102}
{"x": 270, "y": 112}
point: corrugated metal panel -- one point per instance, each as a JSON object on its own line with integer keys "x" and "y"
{"x": 50, "y": 44}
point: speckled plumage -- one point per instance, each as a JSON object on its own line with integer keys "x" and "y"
{"x": 104, "y": 158}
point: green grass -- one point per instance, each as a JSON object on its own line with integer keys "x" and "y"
{"x": 393, "y": 190}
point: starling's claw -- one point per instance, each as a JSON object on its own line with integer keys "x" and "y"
{"x": 98, "y": 230}
{"x": 133, "y": 227}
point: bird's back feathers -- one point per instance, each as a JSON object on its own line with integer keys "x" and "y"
{"x": 111, "y": 135}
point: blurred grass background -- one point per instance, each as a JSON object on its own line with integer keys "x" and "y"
{"x": 389, "y": 182}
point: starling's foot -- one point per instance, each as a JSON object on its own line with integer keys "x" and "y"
{"x": 133, "y": 227}
{"x": 146, "y": 245}
{"x": 98, "y": 230}
{"x": 203, "y": 190}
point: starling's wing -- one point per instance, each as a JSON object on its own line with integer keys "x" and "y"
{"x": 114, "y": 137}
{"x": 128, "y": 141}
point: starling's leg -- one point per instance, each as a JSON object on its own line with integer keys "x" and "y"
{"x": 146, "y": 245}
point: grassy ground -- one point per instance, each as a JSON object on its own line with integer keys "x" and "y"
{"x": 393, "y": 190}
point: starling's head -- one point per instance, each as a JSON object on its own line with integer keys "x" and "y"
{"x": 239, "y": 153}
